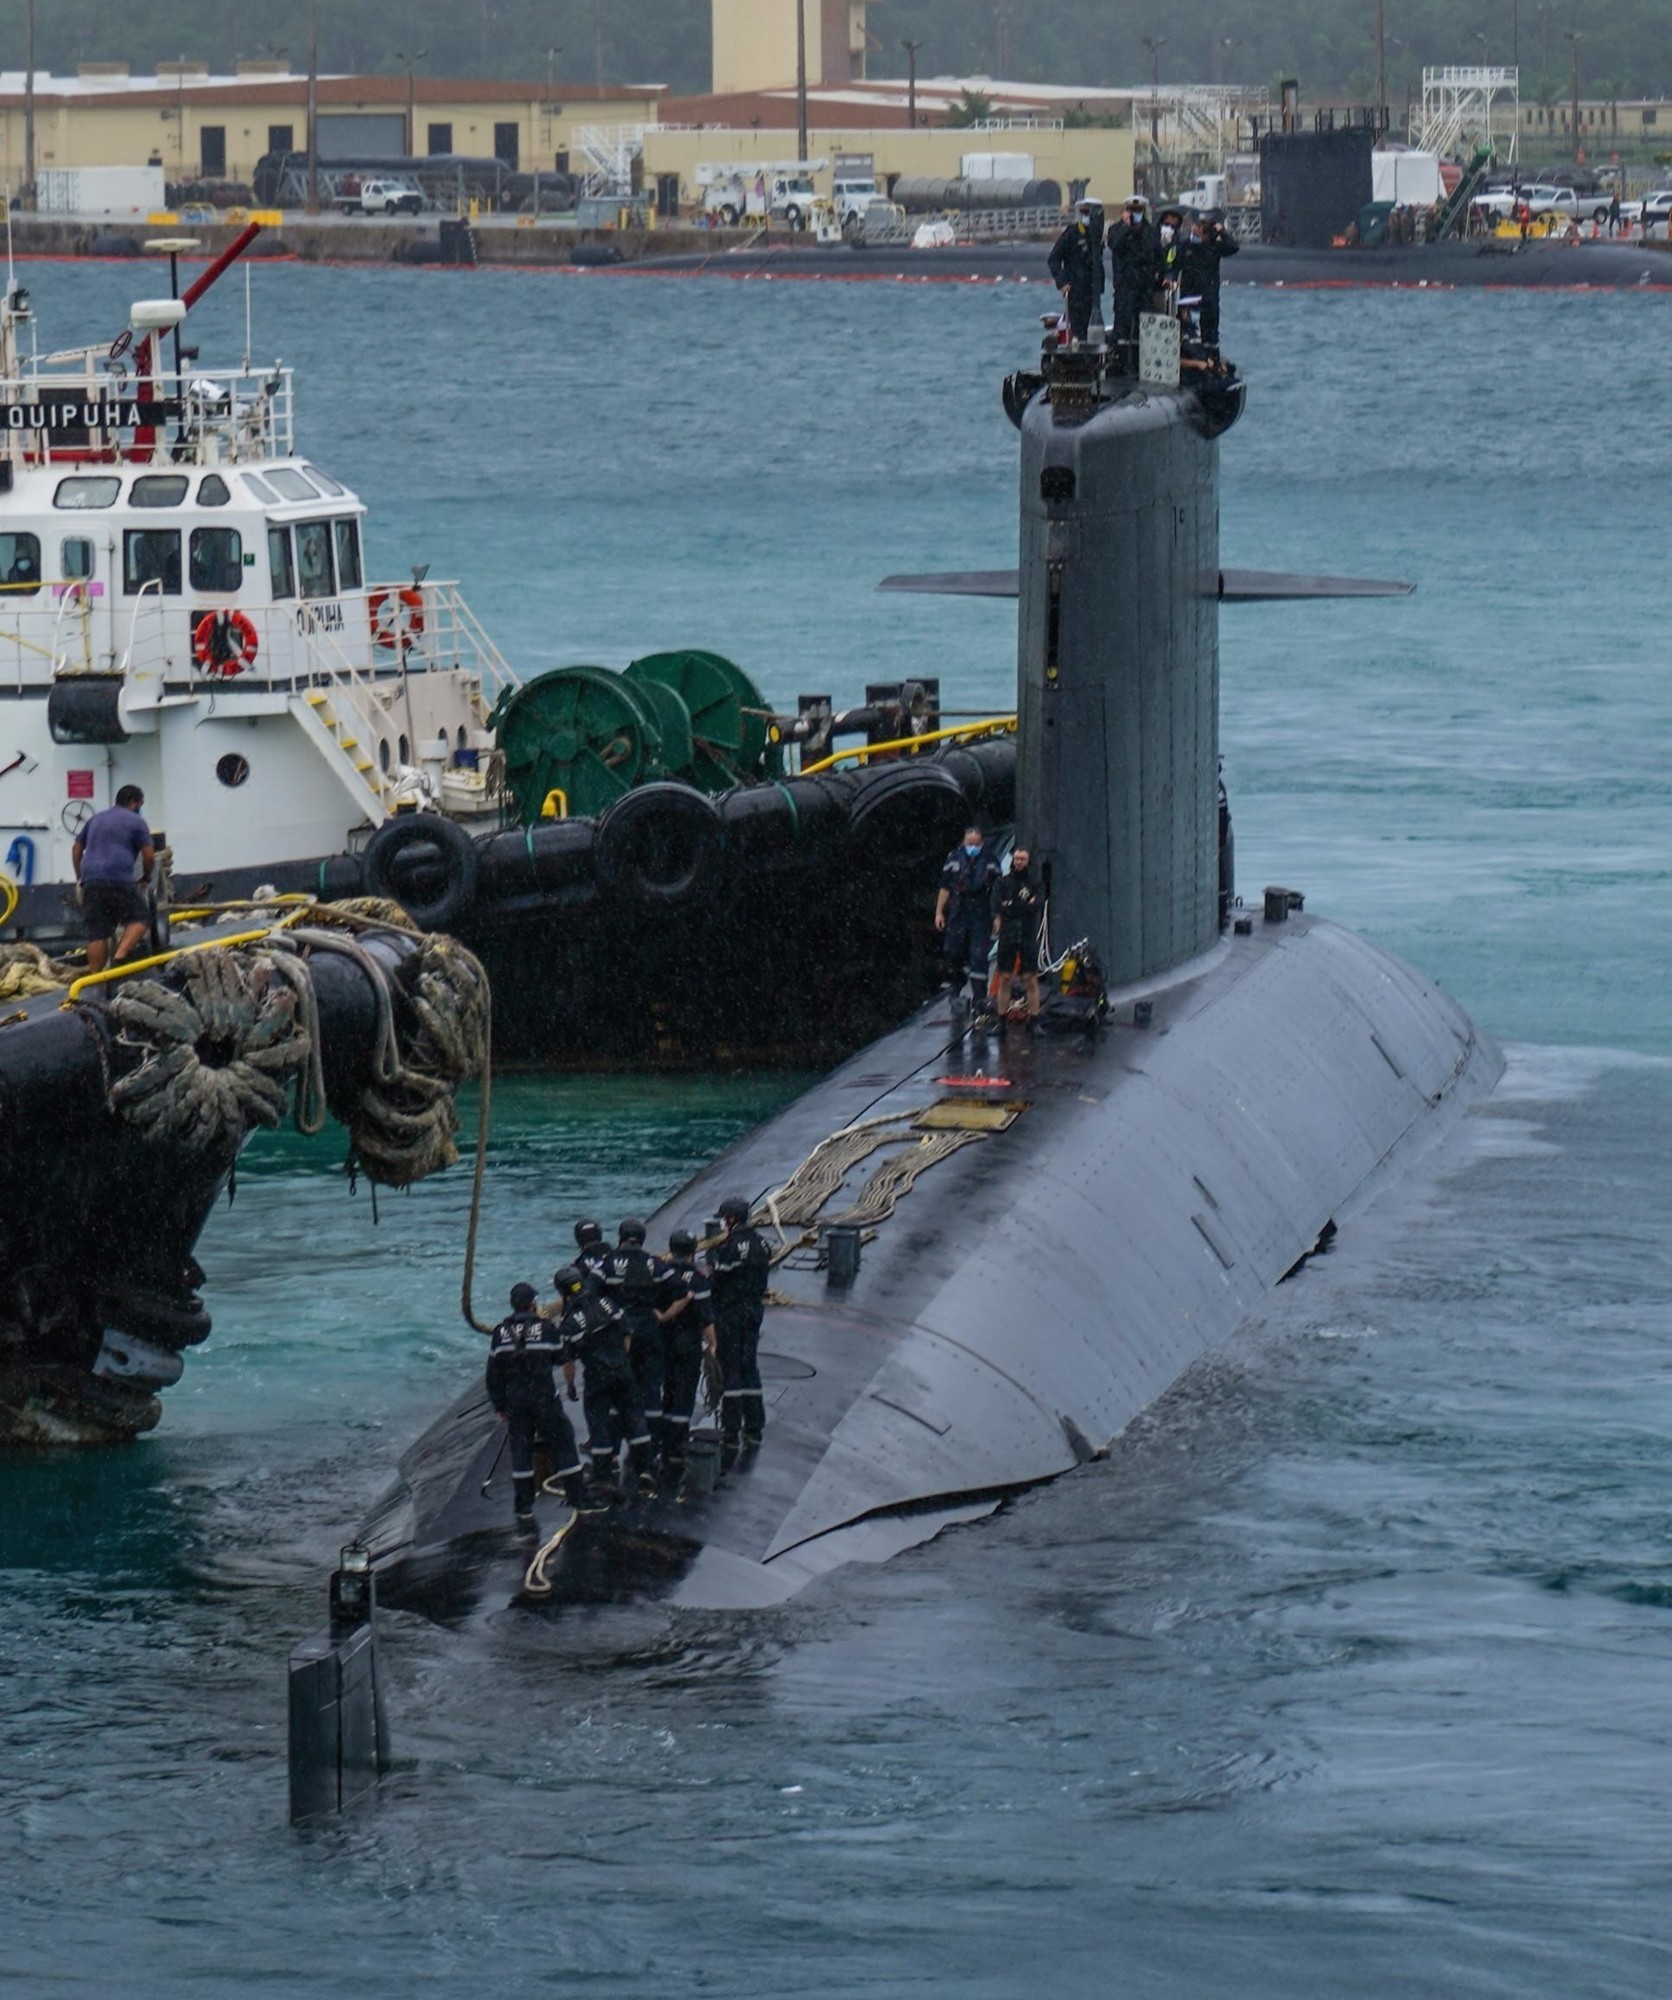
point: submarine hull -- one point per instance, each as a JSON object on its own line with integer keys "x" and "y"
{"x": 1136, "y": 1196}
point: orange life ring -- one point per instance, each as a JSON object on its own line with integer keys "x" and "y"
{"x": 397, "y": 618}
{"x": 224, "y": 643}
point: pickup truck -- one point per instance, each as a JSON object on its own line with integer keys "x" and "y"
{"x": 1656, "y": 207}
{"x": 380, "y": 197}
{"x": 1542, "y": 198}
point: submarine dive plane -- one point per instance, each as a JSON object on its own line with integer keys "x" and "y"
{"x": 1053, "y": 1229}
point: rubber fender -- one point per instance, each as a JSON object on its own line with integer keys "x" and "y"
{"x": 660, "y": 843}
{"x": 124, "y": 1358}
{"x": 152, "y": 1317}
{"x": 458, "y": 870}
{"x": 986, "y": 773}
{"x": 909, "y": 808}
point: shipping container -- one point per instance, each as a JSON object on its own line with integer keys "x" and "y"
{"x": 130, "y": 192}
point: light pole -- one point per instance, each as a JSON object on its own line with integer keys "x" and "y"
{"x": 1381, "y": 56}
{"x": 911, "y": 49}
{"x": 1573, "y": 40}
{"x": 313, "y": 107}
{"x": 29, "y": 107}
{"x": 411, "y": 62}
{"x": 1155, "y": 44}
{"x": 552, "y": 55}
{"x": 801, "y": 78}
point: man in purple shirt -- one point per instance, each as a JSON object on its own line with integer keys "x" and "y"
{"x": 104, "y": 855}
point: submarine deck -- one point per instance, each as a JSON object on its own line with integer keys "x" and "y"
{"x": 1038, "y": 1286}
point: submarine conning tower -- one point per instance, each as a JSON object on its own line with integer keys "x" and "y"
{"x": 1118, "y": 670}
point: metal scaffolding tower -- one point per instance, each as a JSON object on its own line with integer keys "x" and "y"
{"x": 1464, "y": 109}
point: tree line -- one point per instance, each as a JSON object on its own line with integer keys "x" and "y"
{"x": 1623, "y": 47}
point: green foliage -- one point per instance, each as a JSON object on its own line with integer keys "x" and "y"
{"x": 1326, "y": 43}
{"x": 972, "y": 107}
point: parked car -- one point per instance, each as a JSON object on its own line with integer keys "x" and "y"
{"x": 1542, "y": 198}
{"x": 1656, "y": 207}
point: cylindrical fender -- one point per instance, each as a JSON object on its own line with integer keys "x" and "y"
{"x": 660, "y": 843}
{"x": 456, "y": 871}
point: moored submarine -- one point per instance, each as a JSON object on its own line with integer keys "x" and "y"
{"x": 1052, "y": 1229}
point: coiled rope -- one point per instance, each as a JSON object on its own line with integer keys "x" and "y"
{"x": 223, "y": 1040}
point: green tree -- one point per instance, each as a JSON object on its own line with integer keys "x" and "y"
{"x": 973, "y": 107}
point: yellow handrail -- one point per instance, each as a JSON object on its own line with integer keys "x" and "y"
{"x": 9, "y": 890}
{"x": 990, "y": 726}
{"x": 129, "y": 965}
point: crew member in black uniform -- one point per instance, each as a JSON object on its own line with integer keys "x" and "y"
{"x": 738, "y": 1267}
{"x": 1016, "y": 914}
{"x": 687, "y": 1335}
{"x": 1132, "y": 253}
{"x": 522, "y": 1352}
{"x": 640, "y": 1285}
{"x": 1207, "y": 244}
{"x": 962, "y": 918}
{"x": 1169, "y": 252}
{"x": 595, "y": 1334}
{"x": 1076, "y": 265}
{"x": 591, "y": 1251}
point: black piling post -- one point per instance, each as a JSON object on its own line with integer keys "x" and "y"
{"x": 339, "y": 1732}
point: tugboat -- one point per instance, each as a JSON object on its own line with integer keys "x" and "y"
{"x": 186, "y": 605}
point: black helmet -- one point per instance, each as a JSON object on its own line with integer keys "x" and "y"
{"x": 569, "y": 1280}
{"x": 523, "y": 1295}
{"x": 630, "y": 1231}
{"x": 682, "y": 1243}
{"x": 588, "y": 1232}
{"x": 733, "y": 1209}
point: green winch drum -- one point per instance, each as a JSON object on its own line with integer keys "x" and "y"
{"x": 583, "y": 731}
{"x": 729, "y": 717}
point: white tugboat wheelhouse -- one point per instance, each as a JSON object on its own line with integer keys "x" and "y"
{"x": 185, "y": 605}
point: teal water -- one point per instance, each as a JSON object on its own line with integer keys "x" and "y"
{"x": 1347, "y": 1671}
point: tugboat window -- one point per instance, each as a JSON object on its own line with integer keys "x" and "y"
{"x": 349, "y": 573}
{"x": 232, "y": 769}
{"x": 213, "y": 491}
{"x": 151, "y": 556}
{"x": 278, "y": 561}
{"x": 323, "y": 481}
{"x": 291, "y": 484}
{"x": 20, "y": 565}
{"x": 158, "y": 489}
{"x": 217, "y": 559}
{"x": 75, "y": 560}
{"x": 313, "y": 558}
{"x": 87, "y": 490}
{"x": 262, "y": 491}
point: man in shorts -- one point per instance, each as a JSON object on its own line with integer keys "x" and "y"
{"x": 104, "y": 855}
{"x": 1017, "y": 913}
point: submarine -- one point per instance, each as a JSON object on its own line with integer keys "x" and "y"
{"x": 1051, "y": 1229}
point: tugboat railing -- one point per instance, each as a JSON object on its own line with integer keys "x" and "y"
{"x": 215, "y": 416}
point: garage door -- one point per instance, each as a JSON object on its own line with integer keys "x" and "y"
{"x": 361, "y": 135}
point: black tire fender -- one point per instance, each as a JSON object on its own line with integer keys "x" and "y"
{"x": 461, "y": 866}
{"x": 660, "y": 843}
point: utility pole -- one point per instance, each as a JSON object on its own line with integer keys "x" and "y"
{"x": 598, "y": 43}
{"x": 801, "y": 77}
{"x": 552, "y": 55}
{"x": 1381, "y": 56}
{"x": 1573, "y": 40}
{"x": 911, "y": 49}
{"x": 29, "y": 107}
{"x": 411, "y": 62}
{"x": 1155, "y": 44}
{"x": 313, "y": 107}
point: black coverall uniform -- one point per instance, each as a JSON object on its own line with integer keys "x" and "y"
{"x": 522, "y": 1352}
{"x": 690, "y": 1310}
{"x": 1199, "y": 278}
{"x": 1133, "y": 251}
{"x": 738, "y": 1268}
{"x": 1076, "y": 265}
{"x": 638, "y": 1283}
{"x": 595, "y": 1334}
{"x": 968, "y": 881}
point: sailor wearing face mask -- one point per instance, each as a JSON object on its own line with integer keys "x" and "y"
{"x": 1169, "y": 258}
{"x": 961, "y": 917}
{"x": 1132, "y": 252}
{"x": 1076, "y": 265}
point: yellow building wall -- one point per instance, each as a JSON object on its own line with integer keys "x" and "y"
{"x": 753, "y": 42}
{"x": 1104, "y": 158}
{"x": 72, "y": 132}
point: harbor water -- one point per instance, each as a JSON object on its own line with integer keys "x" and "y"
{"x": 1350, "y": 1669}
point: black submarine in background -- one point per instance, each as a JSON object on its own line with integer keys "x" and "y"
{"x": 1053, "y": 1230}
